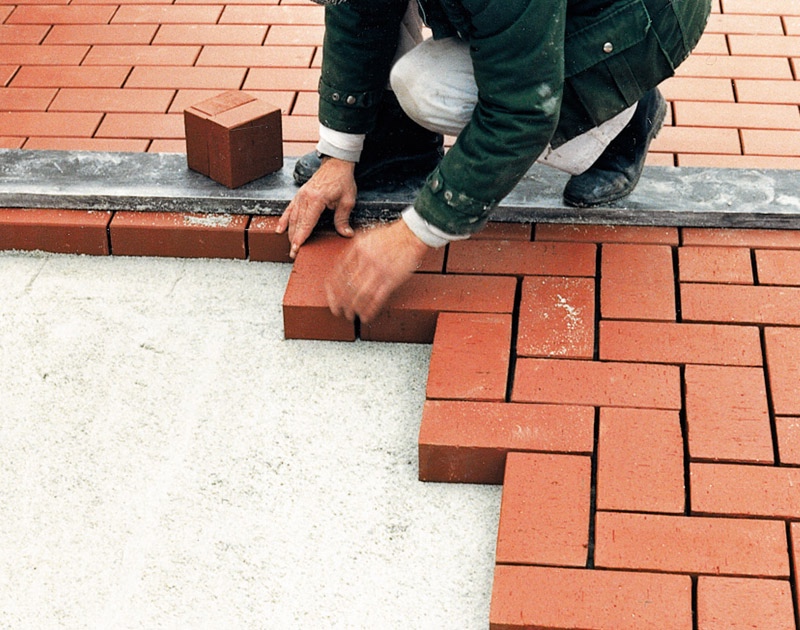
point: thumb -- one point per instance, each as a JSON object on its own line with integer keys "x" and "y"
{"x": 341, "y": 220}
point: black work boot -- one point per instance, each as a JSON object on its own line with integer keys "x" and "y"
{"x": 396, "y": 150}
{"x": 616, "y": 172}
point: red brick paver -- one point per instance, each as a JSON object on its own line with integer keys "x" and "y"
{"x": 635, "y": 389}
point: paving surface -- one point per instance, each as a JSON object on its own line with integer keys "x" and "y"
{"x": 172, "y": 460}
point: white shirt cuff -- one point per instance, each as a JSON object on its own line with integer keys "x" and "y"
{"x": 345, "y": 146}
{"x": 427, "y": 233}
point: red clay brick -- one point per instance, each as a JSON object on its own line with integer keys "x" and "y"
{"x": 754, "y": 238}
{"x": 263, "y": 244}
{"x": 727, "y": 414}
{"x": 167, "y": 146}
{"x": 285, "y": 35}
{"x": 111, "y": 100}
{"x": 774, "y": 7}
{"x": 770, "y": 142}
{"x": 433, "y": 262}
{"x": 740, "y": 304}
{"x": 35, "y": 55}
{"x": 123, "y": 125}
{"x": 640, "y": 461}
{"x": 636, "y": 282}
{"x": 728, "y": 265}
{"x": 22, "y": 33}
{"x": 787, "y": 429}
{"x": 764, "y": 45}
{"x": 307, "y": 104}
{"x": 25, "y": 99}
{"x": 306, "y": 314}
{"x": 697, "y": 140}
{"x": 594, "y": 383}
{"x": 794, "y": 542}
{"x": 142, "y": 56}
{"x": 738, "y": 490}
{"x": 739, "y": 603}
{"x": 87, "y": 144}
{"x": 178, "y": 235}
{"x": 210, "y": 34}
{"x": 711, "y": 44}
{"x": 94, "y": 34}
{"x": 526, "y": 597}
{"x": 297, "y": 79}
{"x": 48, "y": 124}
{"x": 544, "y": 513}
{"x": 735, "y": 67}
{"x": 53, "y": 14}
{"x": 738, "y": 115}
{"x": 607, "y": 233}
{"x": 300, "y": 128}
{"x": 410, "y": 315}
{"x": 755, "y": 91}
{"x": 256, "y": 56}
{"x": 167, "y": 14}
{"x": 69, "y": 76}
{"x": 6, "y": 73}
{"x": 697, "y": 89}
{"x": 469, "y": 359}
{"x": 783, "y": 349}
{"x": 467, "y": 442}
{"x": 521, "y": 258}
{"x": 11, "y": 143}
{"x": 295, "y": 16}
{"x": 691, "y": 544}
{"x": 501, "y": 231}
{"x": 778, "y": 267}
{"x": 182, "y": 77}
{"x": 60, "y": 231}
{"x": 739, "y": 161}
{"x": 556, "y": 317}
{"x": 750, "y": 24}
{"x": 657, "y": 342}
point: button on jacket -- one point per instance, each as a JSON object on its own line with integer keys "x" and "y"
{"x": 546, "y": 71}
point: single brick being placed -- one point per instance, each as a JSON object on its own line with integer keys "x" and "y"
{"x": 691, "y": 544}
{"x": 640, "y": 461}
{"x": 470, "y": 355}
{"x": 545, "y": 510}
{"x": 727, "y": 414}
{"x": 178, "y": 235}
{"x": 525, "y": 597}
{"x": 306, "y": 314}
{"x": 53, "y": 230}
{"x": 556, "y": 317}
{"x": 467, "y": 442}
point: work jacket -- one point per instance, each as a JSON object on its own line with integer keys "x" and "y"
{"x": 546, "y": 71}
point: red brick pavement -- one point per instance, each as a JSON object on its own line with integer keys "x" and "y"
{"x": 635, "y": 389}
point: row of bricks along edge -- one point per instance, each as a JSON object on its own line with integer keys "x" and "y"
{"x": 573, "y": 369}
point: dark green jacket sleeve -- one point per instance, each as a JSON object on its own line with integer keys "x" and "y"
{"x": 359, "y": 47}
{"x": 517, "y": 50}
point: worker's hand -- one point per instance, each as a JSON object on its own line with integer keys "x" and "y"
{"x": 332, "y": 186}
{"x": 371, "y": 268}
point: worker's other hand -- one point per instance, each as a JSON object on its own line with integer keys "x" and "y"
{"x": 371, "y": 268}
{"x": 332, "y": 186}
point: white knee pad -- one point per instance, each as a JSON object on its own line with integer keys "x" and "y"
{"x": 435, "y": 85}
